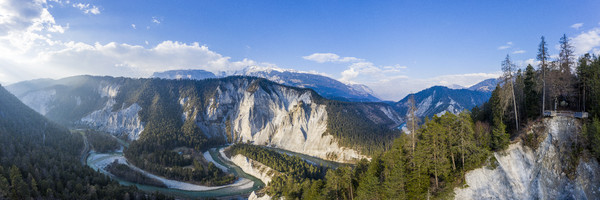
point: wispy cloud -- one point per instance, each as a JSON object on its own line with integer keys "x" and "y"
{"x": 359, "y": 69}
{"x": 330, "y": 57}
{"x": 87, "y": 8}
{"x": 506, "y": 46}
{"x": 577, "y": 26}
{"x": 133, "y": 26}
{"x": 156, "y": 20}
{"x": 519, "y": 52}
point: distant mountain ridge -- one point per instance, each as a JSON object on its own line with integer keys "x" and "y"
{"x": 323, "y": 85}
{"x": 194, "y": 74}
{"x": 487, "y": 85}
{"x": 437, "y": 100}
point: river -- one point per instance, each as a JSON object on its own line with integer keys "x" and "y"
{"x": 243, "y": 186}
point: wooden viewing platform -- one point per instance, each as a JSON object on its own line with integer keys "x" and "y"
{"x": 554, "y": 113}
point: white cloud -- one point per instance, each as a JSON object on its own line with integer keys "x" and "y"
{"x": 531, "y": 62}
{"x": 587, "y": 42}
{"x": 133, "y": 26}
{"x": 577, "y": 26}
{"x": 87, "y": 8}
{"x": 116, "y": 59}
{"x": 156, "y": 20}
{"x": 27, "y": 50}
{"x": 506, "y": 46}
{"x": 330, "y": 57}
{"x": 18, "y": 16}
{"x": 518, "y": 52}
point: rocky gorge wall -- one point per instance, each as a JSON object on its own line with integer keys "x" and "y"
{"x": 547, "y": 172}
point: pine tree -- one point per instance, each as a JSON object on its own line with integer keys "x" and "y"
{"x": 542, "y": 56}
{"x": 433, "y": 145}
{"x": 4, "y": 186}
{"x": 465, "y": 135}
{"x": 347, "y": 181}
{"x": 369, "y": 186}
{"x": 20, "y": 189}
{"x": 531, "y": 95}
{"x": 34, "y": 186}
{"x": 508, "y": 68}
{"x": 566, "y": 55}
{"x": 412, "y": 121}
{"x": 499, "y": 137}
{"x": 395, "y": 176}
{"x": 314, "y": 192}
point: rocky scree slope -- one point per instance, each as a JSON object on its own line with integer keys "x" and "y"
{"x": 553, "y": 170}
{"x": 217, "y": 111}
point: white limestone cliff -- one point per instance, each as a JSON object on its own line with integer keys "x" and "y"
{"x": 524, "y": 173}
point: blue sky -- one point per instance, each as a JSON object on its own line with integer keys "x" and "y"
{"x": 394, "y": 47}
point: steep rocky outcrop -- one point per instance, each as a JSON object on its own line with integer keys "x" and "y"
{"x": 254, "y": 196}
{"x": 554, "y": 170}
{"x": 254, "y": 168}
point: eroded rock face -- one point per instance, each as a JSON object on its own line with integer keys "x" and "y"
{"x": 544, "y": 173}
{"x": 253, "y": 196}
{"x": 281, "y": 117}
{"x": 254, "y": 168}
{"x": 121, "y": 122}
{"x": 39, "y": 100}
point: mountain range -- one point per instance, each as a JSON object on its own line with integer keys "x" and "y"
{"x": 323, "y": 85}
{"x": 439, "y": 99}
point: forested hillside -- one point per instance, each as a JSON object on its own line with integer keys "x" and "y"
{"x": 432, "y": 164}
{"x": 40, "y": 159}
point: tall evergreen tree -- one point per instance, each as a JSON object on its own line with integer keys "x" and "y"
{"x": 499, "y": 137}
{"x": 4, "y": 186}
{"x": 19, "y": 188}
{"x": 543, "y": 56}
{"x": 566, "y": 56}
{"x": 532, "y": 98}
{"x": 412, "y": 121}
{"x": 315, "y": 191}
{"x": 508, "y": 69}
{"x": 395, "y": 176}
{"x": 583, "y": 75}
{"x": 466, "y": 137}
{"x": 433, "y": 145}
